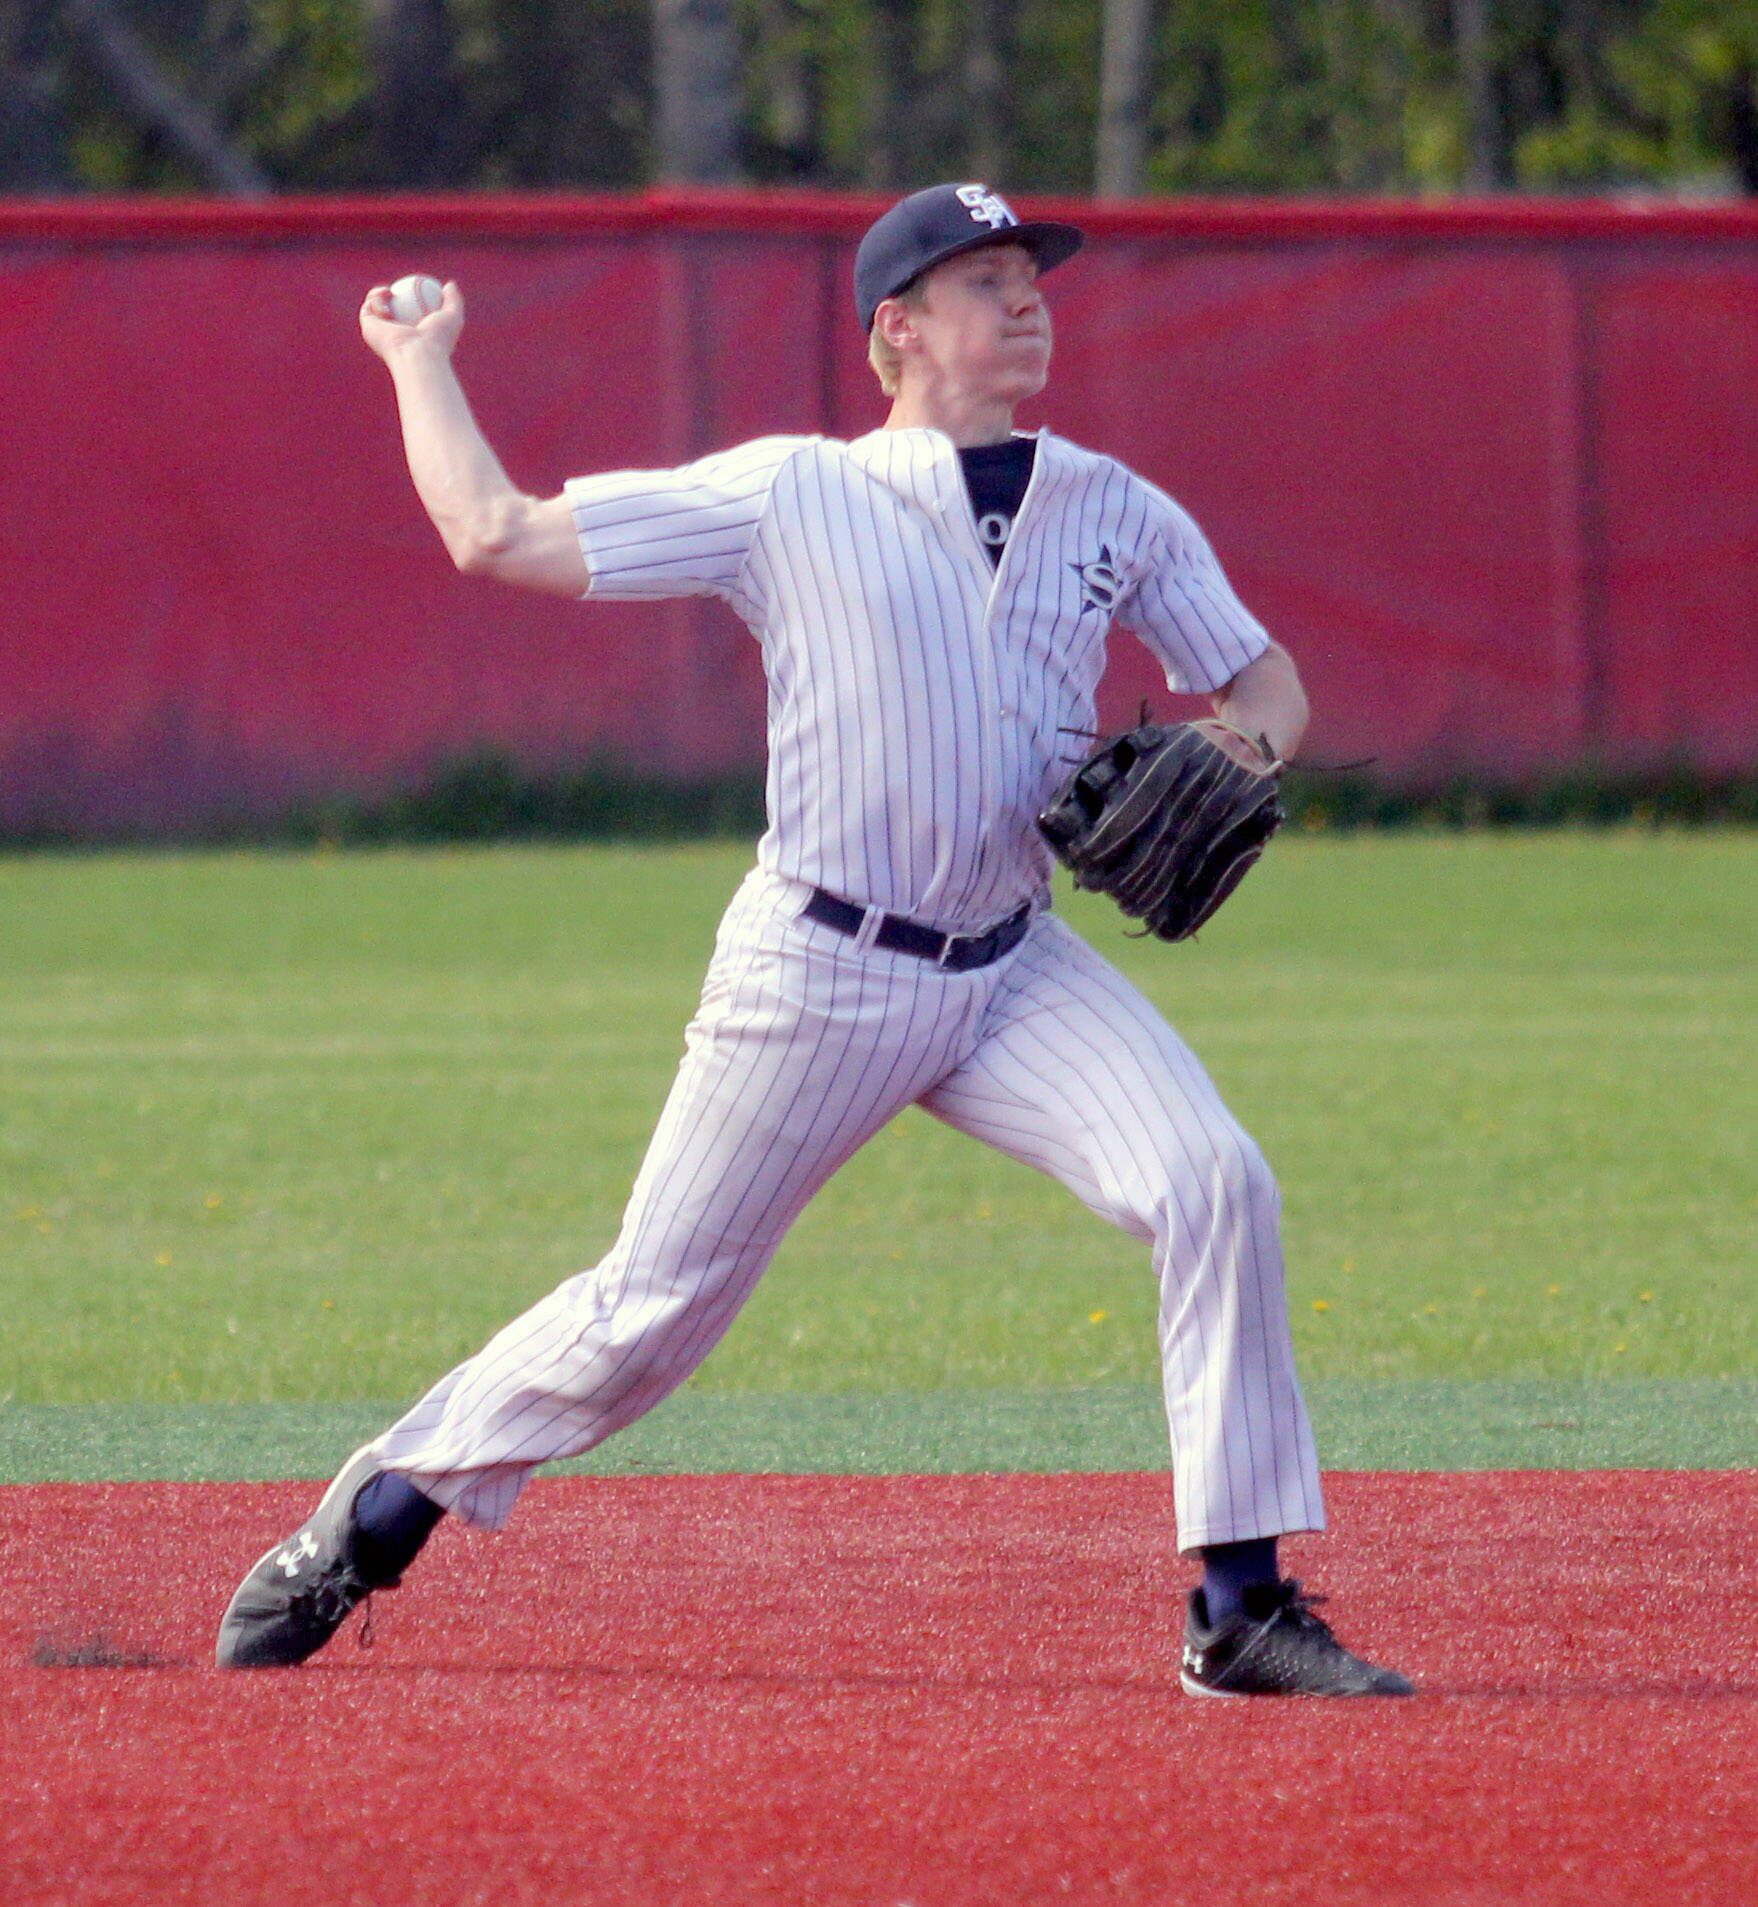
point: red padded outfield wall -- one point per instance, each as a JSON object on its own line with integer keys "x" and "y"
{"x": 1490, "y": 470}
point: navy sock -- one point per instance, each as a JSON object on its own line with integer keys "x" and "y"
{"x": 1229, "y": 1569}
{"x": 392, "y": 1519}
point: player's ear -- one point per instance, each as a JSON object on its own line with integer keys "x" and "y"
{"x": 895, "y": 322}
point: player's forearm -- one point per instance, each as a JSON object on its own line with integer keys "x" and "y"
{"x": 473, "y": 503}
{"x": 1266, "y": 699}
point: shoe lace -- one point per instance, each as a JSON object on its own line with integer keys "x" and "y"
{"x": 331, "y": 1597}
{"x": 1297, "y": 1612}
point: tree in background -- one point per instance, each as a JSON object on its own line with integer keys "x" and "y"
{"x": 696, "y": 91}
{"x": 247, "y": 96}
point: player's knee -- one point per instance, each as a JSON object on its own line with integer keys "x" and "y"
{"x": 1242, "y": 1176}
{"x": 662, "y": 1337}
{"x": 1224, "y": 1176}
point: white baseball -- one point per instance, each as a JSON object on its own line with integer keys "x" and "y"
{"x": 412, "y": 298}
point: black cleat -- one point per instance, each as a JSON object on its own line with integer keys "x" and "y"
{"x": 304, "y": 1589}
{"x": 1276, "y": 1647}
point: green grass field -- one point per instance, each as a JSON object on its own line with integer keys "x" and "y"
{"x": 281, "y": 1127}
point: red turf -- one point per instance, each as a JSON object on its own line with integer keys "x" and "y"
{"x": 946, "y": 1692}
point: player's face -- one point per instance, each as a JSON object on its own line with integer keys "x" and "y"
{"x": 984, "y": 324}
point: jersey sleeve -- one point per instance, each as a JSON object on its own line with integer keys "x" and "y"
{"x": 1185, "y": 610}
{"x": 682, "y": 532}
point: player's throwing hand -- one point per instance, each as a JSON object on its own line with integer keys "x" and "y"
{"x": 385, "y": 334}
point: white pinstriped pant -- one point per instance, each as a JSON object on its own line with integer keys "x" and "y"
{"x": 803, "y": 1048}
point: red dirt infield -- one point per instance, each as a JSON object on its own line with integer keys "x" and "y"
{"x": 943, "y": 1691}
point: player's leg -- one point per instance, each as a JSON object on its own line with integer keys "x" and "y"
{"x": 800, "y": 1051}
{"x": 1079, "y": 1075}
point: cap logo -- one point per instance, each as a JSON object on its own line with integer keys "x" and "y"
{"x": 986, "y": 207}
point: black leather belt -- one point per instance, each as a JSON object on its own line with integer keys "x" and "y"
{"x": 957, "y": 953}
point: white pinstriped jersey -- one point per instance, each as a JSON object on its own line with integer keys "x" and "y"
{"x": 923, "y": 703}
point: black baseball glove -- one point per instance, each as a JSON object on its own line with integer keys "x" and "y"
{"x": 1167, "y": 821}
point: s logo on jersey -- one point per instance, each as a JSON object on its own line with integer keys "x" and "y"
{"x": 1101, "y": 583}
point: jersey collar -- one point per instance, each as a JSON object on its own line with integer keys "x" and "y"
{"x": 921, "y": 463}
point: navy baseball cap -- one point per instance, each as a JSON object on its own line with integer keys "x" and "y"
{"x": 939, "y": 223}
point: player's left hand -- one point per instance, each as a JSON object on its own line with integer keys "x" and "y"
{"x": 1249, "y": 751}
{"x": 1167, "y": 821}
{"x": 385, "y": 336}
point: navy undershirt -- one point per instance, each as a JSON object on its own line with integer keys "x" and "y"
{"x": 996, "y": 475}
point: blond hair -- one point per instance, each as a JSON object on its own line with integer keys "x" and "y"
{"x": 882, "y": 354}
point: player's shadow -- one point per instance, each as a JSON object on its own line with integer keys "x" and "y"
{"x": 99, "y": 1650}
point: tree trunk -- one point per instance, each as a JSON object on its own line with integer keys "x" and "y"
{"x": 1125, "y": 89}
{"x": 148, "y": 95}
{"x": 696, "y": 91}
{"x": 987, "y": 65}
{"x": 888, "y": 92}
{"x": 1487, "y": 167}
{"x": 1742, "y": 99}
{"x": 418, "y": 127}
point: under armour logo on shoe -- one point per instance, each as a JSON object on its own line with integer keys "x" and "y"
{"x": 302, "y": 1546}
{"x": 1194, "y": 1659}
{"x": 1101, "y": 584}
{"x": 986, "y": 207}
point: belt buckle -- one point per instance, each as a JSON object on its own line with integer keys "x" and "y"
{"x": 981, "y": 949}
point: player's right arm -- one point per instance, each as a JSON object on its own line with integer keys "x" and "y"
{"x": 490, "y": 528}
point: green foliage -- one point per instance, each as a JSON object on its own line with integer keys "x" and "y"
{"x": 1584, "y": 797}
{"x": 1265, "y": 97}
{"x": 1054, "y": 96}
{"x": 283, "y": 1126}
{"x": 1248, "y": 95}
{"x": 546, "y": 94}
{"x": 286, "y": 80}
{"x": 491, "y": 798}
{"x": 555, "y": 93}
{"x": 304, "y": 114}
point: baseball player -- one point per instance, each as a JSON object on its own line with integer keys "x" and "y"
{"x": 932, "y": 603}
